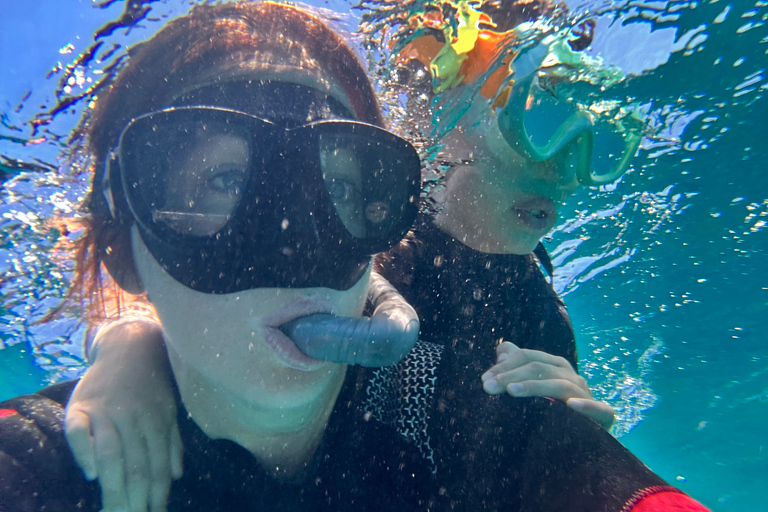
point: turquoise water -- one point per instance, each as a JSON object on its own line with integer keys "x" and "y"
{"x": 663, "y": 272}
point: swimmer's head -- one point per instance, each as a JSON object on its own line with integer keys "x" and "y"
{"x": 490, "y": 83}
{"x": 271, "y": 80}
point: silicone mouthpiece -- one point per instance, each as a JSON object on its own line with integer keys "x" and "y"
{"x": 381, "y": 340}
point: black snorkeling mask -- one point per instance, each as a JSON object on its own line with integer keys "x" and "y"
{"x": 226, "y": 201}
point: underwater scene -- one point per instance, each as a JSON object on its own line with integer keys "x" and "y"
{"x": 663, "y": 270}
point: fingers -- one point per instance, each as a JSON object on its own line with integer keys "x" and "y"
{"x": 526, "y": 373}
{"x": 601, "y": 412}
{"x": 122, "y": 459}
{"x": 77, "y": 430}
{"x": 504, "y": 350}
{"x": 109, "y": 464}
{"x": 134, "y": 462}
{"x": 509, "y": 356}
{"x": 559, "y": 389}
{"x": 535, "y": 378}
{"x": 137, "y": 460}
{"x": 160, "y": 450}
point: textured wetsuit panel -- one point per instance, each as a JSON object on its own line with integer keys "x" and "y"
{"x": 399, "y": 396}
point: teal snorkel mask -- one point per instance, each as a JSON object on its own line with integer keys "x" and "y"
{"x": 540, "y": 125}
{"x": 511, "y": 79}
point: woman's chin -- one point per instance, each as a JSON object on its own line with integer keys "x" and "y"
{"x": 515, "y": 240}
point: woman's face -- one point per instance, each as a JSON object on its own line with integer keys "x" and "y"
{"x": 500, "y": 203}
{"x": 233, "y": 340}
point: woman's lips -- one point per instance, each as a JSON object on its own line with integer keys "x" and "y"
{"x": 288, "y": 353}
{"x": 537, "y": 214}
{"x": 281, "y": 344}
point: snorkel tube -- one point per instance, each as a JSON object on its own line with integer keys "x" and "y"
{"x": 380, "y": 340}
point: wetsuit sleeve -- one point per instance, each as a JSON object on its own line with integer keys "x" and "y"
{"x": 526, "y": 454}
{"x": 37, "y": 470}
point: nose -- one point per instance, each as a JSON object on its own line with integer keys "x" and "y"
{"x": 558, "y": 173}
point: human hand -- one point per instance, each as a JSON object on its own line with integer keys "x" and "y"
{"x": 523, "y": 372}
{"x": 120, "y": 421}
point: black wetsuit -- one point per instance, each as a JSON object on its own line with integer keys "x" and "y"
{"x": 405, "y": 440}
{"x": 468, "y": 300}
{"x": 421, "y": 435}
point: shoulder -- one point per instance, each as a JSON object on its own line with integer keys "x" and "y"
{"x": 37, "y": 470}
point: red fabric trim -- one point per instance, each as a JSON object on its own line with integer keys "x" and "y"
{"x": 668, "y": 501}
{"x": 644, "y": 493}
{"x": 7, "y": 412}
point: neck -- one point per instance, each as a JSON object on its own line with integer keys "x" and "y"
{"x": 283, "y": 439}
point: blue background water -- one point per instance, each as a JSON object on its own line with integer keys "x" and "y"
{"x": 664, "y": 273}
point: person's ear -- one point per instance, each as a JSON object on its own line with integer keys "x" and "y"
{"x": 117, "y": 256}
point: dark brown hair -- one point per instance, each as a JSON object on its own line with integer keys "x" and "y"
{"x": 205, "y": 45}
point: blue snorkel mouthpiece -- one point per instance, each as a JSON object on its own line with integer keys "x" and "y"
{"x": 380, "y": 340}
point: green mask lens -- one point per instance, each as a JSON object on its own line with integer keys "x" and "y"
{"x": 540, "y": 124}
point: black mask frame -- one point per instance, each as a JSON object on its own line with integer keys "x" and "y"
{"x": 285, "y": 231}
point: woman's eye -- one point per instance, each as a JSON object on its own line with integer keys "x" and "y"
{"x": 341, "y": 189}
{"x": 227, "y": 181}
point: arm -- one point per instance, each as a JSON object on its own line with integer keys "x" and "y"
{"x": 121, "y": 419}
{"x": 533, "y": 454}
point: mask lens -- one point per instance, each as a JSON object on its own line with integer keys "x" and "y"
{"x": 545, "y": 125}
{"x": 186, "y": 170}
{"x": 543, "y": 116}
{"x": 367, "y": 179}
{"x": 340, "y": 161}
{"x": 612, "y": 149}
